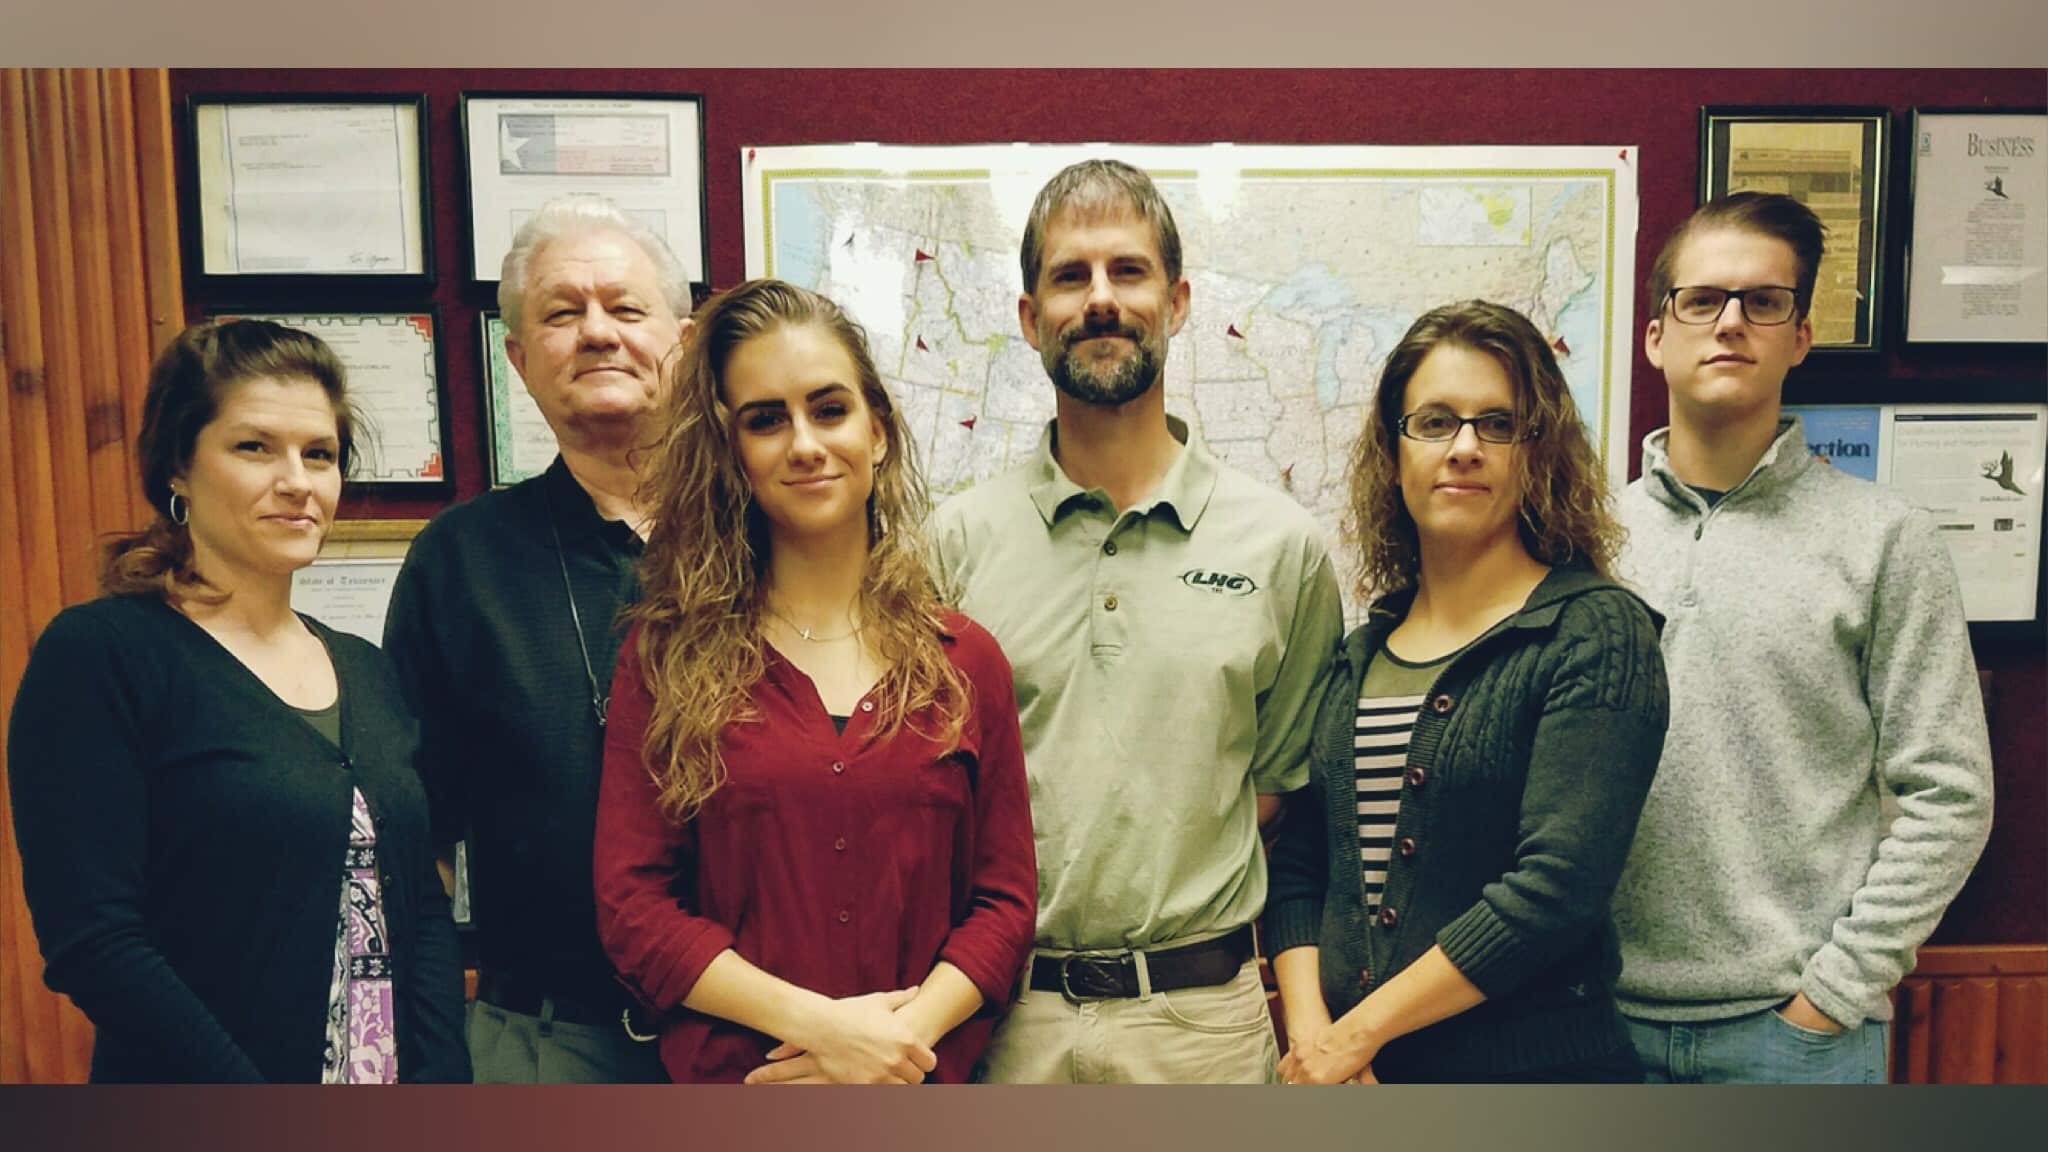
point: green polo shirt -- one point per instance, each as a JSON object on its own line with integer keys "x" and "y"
{"x": 1167, "y": 660}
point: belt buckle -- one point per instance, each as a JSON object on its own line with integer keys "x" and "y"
{"x": 1099, "y": 978}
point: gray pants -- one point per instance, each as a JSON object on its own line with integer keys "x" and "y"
{"x": 514, "y": 1048}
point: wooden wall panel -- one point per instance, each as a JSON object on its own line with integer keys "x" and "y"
{"x": 1973, "y": 1015}
{"x": 89, "y": 290}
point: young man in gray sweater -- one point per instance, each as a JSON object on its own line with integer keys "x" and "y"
{"x": 1819, "y": 662}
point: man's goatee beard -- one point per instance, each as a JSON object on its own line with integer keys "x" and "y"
{"x": 1122, "y": 384}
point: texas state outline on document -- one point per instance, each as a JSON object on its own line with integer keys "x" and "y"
{"x": 1305, "y": 263}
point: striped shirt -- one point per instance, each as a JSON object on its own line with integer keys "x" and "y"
{"x": 1388, "y": 703}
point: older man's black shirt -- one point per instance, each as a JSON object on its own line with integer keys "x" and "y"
{"x": 510, "y": 746}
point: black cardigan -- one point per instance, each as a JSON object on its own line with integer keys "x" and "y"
{"x": 1528, "y": 766}
{"x": 182, "y": 836}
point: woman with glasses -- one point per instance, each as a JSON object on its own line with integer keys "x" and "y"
{"x": 1439, "y": 900}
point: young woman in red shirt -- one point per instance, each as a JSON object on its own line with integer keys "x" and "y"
{"x": 814, "y": 854}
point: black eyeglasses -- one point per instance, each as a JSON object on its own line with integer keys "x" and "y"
{"x": 1436, "y": 425}
{"x": 1766, "y": 305}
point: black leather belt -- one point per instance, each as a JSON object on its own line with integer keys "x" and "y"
{"x": 1114, "y": 975}
{"x": 514, "y": 994}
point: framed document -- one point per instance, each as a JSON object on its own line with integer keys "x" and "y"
{"x": 349, "y": 587}
{"x": 1977, "y": 251}
{"x": 395, "y": 380}
{"x": 643, "y": 153}
{"x": 522, "y": 444}
{"x": 283, "y": 189}
{"x": 1976, "y": 469}
{"x": 1834, "y": 161}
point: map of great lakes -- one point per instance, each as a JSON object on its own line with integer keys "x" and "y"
{"x": 1305, "y": 264}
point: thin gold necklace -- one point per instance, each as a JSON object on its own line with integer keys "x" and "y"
{"x": 806, "y": 635}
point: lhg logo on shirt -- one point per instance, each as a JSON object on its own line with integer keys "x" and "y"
{"x": 1231, "y": 583}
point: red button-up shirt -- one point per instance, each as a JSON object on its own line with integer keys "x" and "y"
{"x": 838, "y": 862}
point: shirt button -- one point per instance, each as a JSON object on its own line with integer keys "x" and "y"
{"x": 839, "y": 845}
{"x": 1407, "y": 846}
{"x": 1365, "y": 978}
{"x": 1417, "y": 777}
{"x": 838, "y": 766}
{"x": 1442, "y": 705}
{"x": 1109, "y": 604}
{"x": 1109, "y": 547}
{"x": 844, "y": 916}
{"x": 867, "y": 705}
{"x": 1389, "y": 917}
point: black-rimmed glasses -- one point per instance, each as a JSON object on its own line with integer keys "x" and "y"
{"x": 1766, "y": 305}
{"x": 1436, "y": 425}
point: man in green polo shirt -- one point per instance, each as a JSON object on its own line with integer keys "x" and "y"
{"x": 1168, "y": 620}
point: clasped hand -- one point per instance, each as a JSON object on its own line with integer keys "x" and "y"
{"x": 856, "y": 1040}
{"x": 1319, "y": 1052}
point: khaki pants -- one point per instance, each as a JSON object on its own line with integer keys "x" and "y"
{"x": 1221, "y": 1034}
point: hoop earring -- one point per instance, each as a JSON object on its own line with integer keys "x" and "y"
{"x": 180, "y": 508}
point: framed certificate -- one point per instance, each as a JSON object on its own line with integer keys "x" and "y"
{"x": 643, "y": 153}
{"x": 1977, "y": 248}
{"x": 281, "y": 190}
{"x": 395, "y": 380}
{"x": 349, "y": 587}
{"x": 522, "y": 445}
{"x": 1834, "y": 161}
{"x": 1976, "y": 469}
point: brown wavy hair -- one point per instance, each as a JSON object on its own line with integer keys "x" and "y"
{"x": 1567, "y": 515}
{"x": 703, "y": 575}
{"x": 190, "y": 378}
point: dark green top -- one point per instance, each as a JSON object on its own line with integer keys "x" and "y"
{"x": 1527, "y": 769}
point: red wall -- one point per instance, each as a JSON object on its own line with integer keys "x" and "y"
{"x": 1656, "y": 111}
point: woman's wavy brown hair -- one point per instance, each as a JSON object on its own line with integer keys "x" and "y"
{"x": 703, "y": 575}
{"x": 190, "y": 378}
{"x": 1567, "y": 516}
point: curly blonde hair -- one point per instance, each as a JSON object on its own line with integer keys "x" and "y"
{"x": 1567, "y": 514}
{"x": 703, "y": 574}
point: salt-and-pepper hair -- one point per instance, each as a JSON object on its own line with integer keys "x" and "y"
{"x": 571, "y": 215}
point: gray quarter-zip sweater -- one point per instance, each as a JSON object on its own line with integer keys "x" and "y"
{"x": 1818, "y": 659}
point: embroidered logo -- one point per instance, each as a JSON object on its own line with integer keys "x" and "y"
{"x": 1229, "y": 583}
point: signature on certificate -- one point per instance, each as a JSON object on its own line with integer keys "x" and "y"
{"x": 369, "y": 259}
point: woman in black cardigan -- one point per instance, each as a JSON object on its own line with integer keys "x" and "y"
{"x": 1485, "y": 743}
{"x": 223, "y": 843}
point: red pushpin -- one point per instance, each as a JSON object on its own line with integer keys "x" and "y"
{"x": 922, "y": 256}
{"x": 1562, "y": 348}
{"x": 1232, "y": 331}
{"x": 968, "y": 423}
{"x": 1287, "y": 477}
{"x": 920, "y": 345}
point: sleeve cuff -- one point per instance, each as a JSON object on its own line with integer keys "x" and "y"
{"x": 1484, "y": 949}
{"x": 675, "y": 985}
{"x": 1294, "y": 923}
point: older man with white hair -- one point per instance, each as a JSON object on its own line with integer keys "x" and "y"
{"x": 502, "y": 625}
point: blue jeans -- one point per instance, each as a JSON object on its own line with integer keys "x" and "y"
{"x": 1760, "y": 1048}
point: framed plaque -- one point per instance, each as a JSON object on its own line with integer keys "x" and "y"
{"x": 1977, "y": 248}
{"x": 395, "y": 379}
{"x": 349, "y": 587}
{"x": 1976, "y": 469}
{"x": 521, "y": 443}
{"x": 283, "y": 191}
{"x": 643, "y": 153}
{"x": 1834, "y": 161}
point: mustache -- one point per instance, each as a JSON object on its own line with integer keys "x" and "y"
{"x": 1091, "y": 331}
